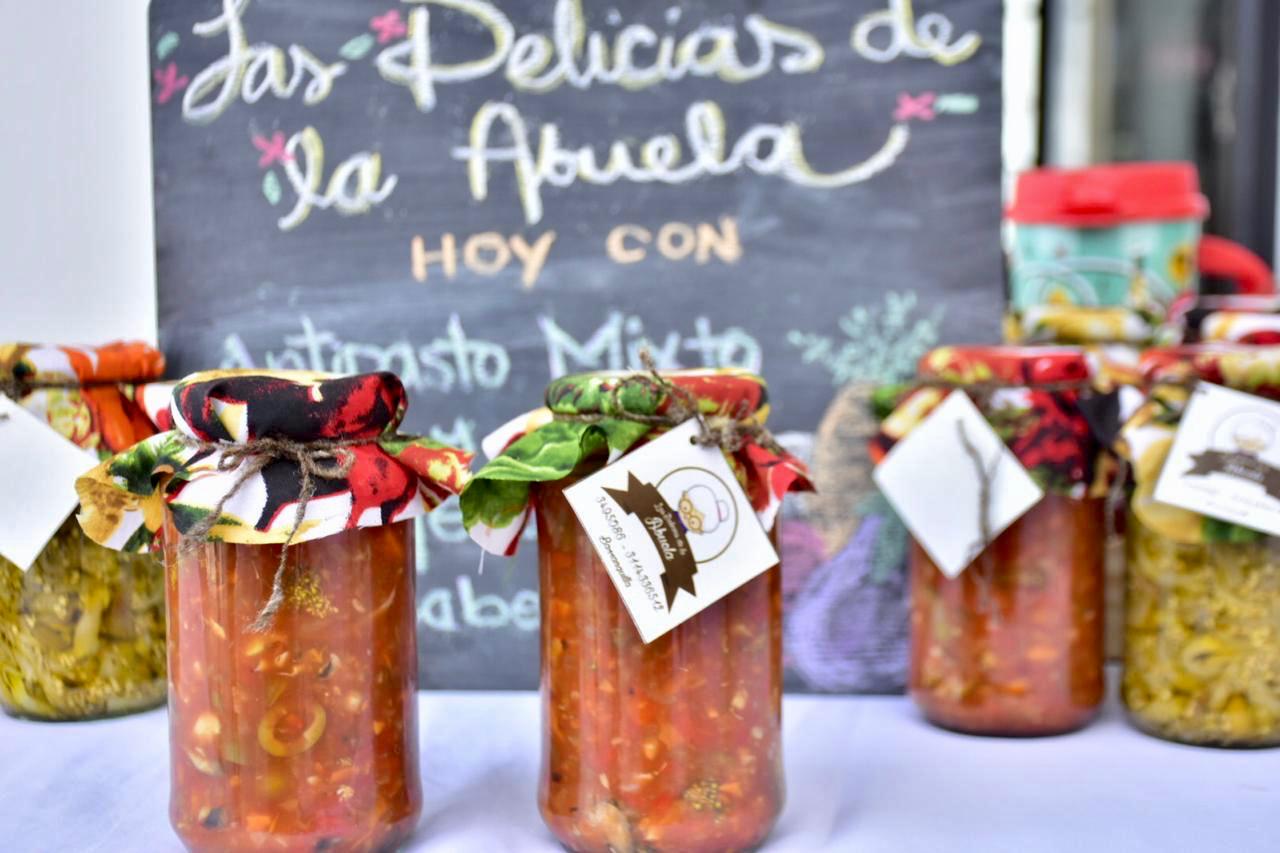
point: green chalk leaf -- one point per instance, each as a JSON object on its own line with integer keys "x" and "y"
{"x": 357, "y": 48}
{"x": 167, "y": 44}
{"x": 271, "y": 187}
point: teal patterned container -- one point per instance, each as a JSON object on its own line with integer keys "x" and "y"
{"x": 1103, "y": 253}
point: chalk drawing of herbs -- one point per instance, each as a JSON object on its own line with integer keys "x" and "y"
{"x": 881, "y": 343}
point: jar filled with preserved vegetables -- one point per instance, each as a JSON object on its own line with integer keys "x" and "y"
{"x": 673, "y": 745}
{"x": 1202, "y": 629}
{"x": 82, "y": 628}
{"x": 1013, "y": 645}
{"x": 285, "y": 502}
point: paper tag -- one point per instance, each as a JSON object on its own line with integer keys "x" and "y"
{"x": 673, "y": 528}
{"x": 40, "y": 469}
{"x": 934, "y": 483}
{"x": 1225, "y": 459}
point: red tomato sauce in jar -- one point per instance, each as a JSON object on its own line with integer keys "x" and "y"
{"x": 670, "y": 746}
{"x": 1014, "y": 645}
{"x": 302, "y": 737}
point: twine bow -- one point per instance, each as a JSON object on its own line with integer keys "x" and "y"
{"x": 324, "y": 460}
{"x": 728, "y": 433}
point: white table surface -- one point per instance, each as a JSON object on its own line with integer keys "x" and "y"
{"x": 863, "y": 774}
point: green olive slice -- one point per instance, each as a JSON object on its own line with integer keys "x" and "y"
{"x": 269, "y": 741}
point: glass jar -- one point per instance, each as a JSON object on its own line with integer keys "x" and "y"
{"x": 674, "y": 745}
{"x": 82, "y": 629}
{"x": 304, "y": 736}
{"x": 1202, "y": 627}
{"x": 1202, "y": 639}
{"x": 284, "y": 502}
{"x": 81, "y": 632}
{"x": 1014, "y": 645}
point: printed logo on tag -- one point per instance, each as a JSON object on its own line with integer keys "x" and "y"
{"x": 40, "y": 468}
{"x": 934, "y": 478}
{"x": 1225, "y": 459}
{"x": 673, "y": 528}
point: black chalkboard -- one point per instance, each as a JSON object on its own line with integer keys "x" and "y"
{"x": 482, "y": 194}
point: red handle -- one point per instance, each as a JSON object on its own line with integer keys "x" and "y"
{"x": 1222, "y": 258}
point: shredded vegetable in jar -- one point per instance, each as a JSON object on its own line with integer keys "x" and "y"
{"x": 287, "y": 502}
{"x": 1013, "y": 645}
{"x": 674, "y": 745}
{"x": 1202, "y": 628}
{"x": 303, "y": 736}
{"x": 82, "y": 630}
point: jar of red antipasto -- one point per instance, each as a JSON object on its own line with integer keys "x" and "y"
{"x": 1014, "y": 644}
{"x": 672, "y": 745}
{"x": 285, "y": 502}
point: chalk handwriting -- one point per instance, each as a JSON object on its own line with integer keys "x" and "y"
{"x": 766, "y": 149}
{"x": 486, "y": 254}
{"x": 450, "y": 362}
{"x": 355, "y": 187}
{"x": 926, "y": 37}
{"x": 616, "y": 345}
{"x": 251, "y": 72}
{"x": 541, "y": 63}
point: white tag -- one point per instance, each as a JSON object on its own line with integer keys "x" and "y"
{"x": 673, "y": 528}
{"x": 40, "y": 469}
{"x": 1225, "y": 459}
{"x": 934, "y": 483}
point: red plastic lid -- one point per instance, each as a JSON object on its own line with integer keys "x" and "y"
{"x": 1104, "y": 195}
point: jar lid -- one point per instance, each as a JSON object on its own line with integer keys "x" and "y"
{"x": 1099, "y": 196}
{"x": 727, "y": 391}
{"x": 1007, "y": 365}
{"x": 121, "y": 361}
{"x": 245, "y": 405}
{"x": 1255, "y": 369}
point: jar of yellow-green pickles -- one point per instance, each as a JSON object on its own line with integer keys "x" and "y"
{"x": 1202, "y": 627}
{"x": 82, "y": 629}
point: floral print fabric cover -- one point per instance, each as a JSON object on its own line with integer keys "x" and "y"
{"x": 1044, "y": 427}
{"x": 538, "y": 448}
{"x": 393, "y": 477}
{"x": 1147, "y": 434}
{"x": 1243, "y": 327}
{"x": 106, "y": 413}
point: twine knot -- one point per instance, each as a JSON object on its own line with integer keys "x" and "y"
{"x": 327, "y": 459}
{"x": 729, "y": 433}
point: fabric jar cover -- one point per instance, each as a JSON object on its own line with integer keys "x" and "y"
{"x": 102, "y": 407}
{"x": 1241, "y": 327}
{"x": 1147, "y": 435}
{"x": 1043, "y": 426}
{"x": 538, "y": 447}
{"x": 393, "y": 477}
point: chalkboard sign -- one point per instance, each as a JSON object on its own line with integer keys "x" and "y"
{"x": 484, "y": 194}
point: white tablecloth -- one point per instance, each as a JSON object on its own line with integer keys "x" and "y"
{"x": 864, "y": 774}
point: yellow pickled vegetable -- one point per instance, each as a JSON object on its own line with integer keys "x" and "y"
{"x": 82, "y": 632}
{"x": 1202, "y": 642}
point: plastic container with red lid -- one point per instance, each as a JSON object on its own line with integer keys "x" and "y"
{"x": 1112, "y": 252}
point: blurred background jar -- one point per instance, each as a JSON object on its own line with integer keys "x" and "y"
{"x": 675, "y": 744}
{"x": 1013, "y": 645}
{"x": 1202, "y": 629}
{"x": 82, "y": 630}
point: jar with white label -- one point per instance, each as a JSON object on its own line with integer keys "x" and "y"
{"x": 1202, "y": 629}
{"x": 669, "y": 745}
{"x": 1013, "y": 644}
{"x": 82, "y": 629}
